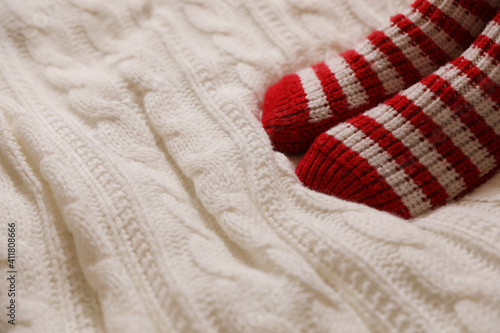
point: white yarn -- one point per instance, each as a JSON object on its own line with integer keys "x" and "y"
{"x": 148, "y": 198}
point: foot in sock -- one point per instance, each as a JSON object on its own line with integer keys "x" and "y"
{"x": 303, "y": 105}
{"x": 433, "y": 142}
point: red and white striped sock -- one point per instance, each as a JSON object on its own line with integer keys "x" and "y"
{"x": 427, "y": 145}
{"x": 304, "y": 104}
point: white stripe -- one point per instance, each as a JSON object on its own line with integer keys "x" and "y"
{"x": 420, "y": 148}
{"x": 317, "y": 103}
{"x": 491, "y": 30}
{"x": 486, "y": 63}
{"x": 409, "y": 48}
{"x": 437, "y": 34}
{"x": 410, "y": 193}
{"x": 473, "y": 95}
{"x": 473, "y": 24}
{"x": 451, "y": 125}
{"x": 352, "y": 88}
{"x": 387, "y": 74}
{"x": 487, "y": 108}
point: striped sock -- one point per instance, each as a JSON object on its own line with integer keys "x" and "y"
{"x": 427, "y": 145}
{"x": 304, "y": 104}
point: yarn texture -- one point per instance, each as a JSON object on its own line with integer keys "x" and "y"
{"x": 147, "y": 197}
{"x": 429, "y": 144}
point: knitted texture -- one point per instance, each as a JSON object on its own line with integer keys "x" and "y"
{"x": 304, "y": 104}
{"x": 425, "y": 146}
{"x": 147, "y": 197}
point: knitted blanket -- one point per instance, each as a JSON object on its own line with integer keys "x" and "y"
{"x": 139, "y": 192}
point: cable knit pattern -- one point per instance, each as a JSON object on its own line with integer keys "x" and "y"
{"x": 148, "y": 197}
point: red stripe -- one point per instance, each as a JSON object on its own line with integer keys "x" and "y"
{"x": 434, "y": 133}
{"x": 479, "y": 8}
{"x": 403, "y": 156}
{"x": 465, "y": 111}
{"x": 366, "y": 76}
{"x": 333, "y": 91}
{"x": 430, "y": 48}
{"x": 479, "y": 78}
{"x": 445, "y": 22}
{"x": 347, "y": 176}
{"x": 489, "y": 47}
{"x": 497, "y": 17}
{"x": 401, "y": 63}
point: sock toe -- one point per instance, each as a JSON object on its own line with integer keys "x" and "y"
{"x": 285, "y": 115}
{"x": 332, "y": 168}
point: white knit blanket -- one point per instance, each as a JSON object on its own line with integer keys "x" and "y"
{"x": 146, "y": 197}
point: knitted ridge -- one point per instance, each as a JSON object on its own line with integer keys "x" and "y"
{"x": 422, "y": 148}
{"x": 304, "y": 104}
